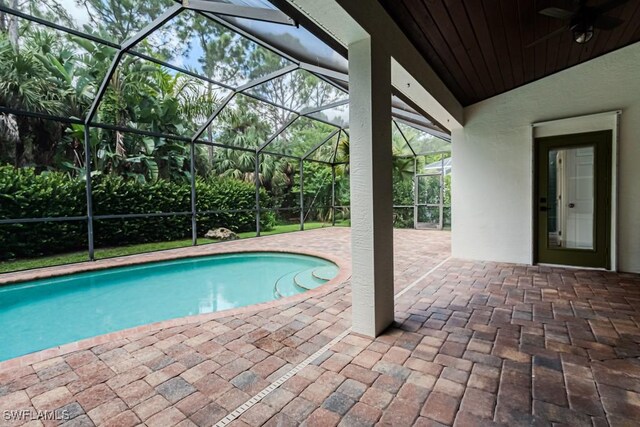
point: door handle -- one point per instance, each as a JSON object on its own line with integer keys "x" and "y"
{"x": 543, "y": 209}
{"x": 572, "y": 205}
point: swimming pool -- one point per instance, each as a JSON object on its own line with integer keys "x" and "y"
{"x": 46, "y": 313}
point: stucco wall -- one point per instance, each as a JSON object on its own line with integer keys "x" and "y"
{"x": 492, "y": 177}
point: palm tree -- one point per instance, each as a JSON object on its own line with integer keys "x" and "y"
{"x": 244, "y": 129}
{"x": 27, "y": 84}
{"x": 402, "y": 166}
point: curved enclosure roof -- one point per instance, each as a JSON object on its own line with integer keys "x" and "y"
{"x": 235, "y": 54}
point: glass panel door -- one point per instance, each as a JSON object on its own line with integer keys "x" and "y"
{"x": 428, "y": 201}
{"x": 573, "y": 199}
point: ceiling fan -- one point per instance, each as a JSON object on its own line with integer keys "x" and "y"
{"x": 583, "y": 21}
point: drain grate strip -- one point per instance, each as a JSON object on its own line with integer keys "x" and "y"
{"x": 277, "y": 383}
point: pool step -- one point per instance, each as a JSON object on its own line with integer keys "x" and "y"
{"x": 285, "y": 286}
{"x": 326, "y": 273}
{"x": 296, "y": 282}
{"x": 307, "y": 280}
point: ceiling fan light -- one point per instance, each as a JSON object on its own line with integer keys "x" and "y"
{"x": 582, "y": 34}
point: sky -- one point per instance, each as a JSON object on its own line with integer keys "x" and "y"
{"x": 78, "y": 13}
{"x": 303, "y": 37}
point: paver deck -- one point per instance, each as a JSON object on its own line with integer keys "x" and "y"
{"x": 475, "y": 343}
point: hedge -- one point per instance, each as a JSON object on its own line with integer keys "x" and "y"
{"x": 26, "y": 194}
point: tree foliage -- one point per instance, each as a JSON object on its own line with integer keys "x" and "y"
{"x": 44, "y": 71}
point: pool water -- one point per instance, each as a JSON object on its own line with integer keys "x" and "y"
{"x": 46, "y": 313}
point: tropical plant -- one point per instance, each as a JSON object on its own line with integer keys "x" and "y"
{"x": 245, "y": 129}
{"x": 403, "y": 166}
{"x": 316, "y": 191}
{"x": 44, "y": 71}
{"x": 27, "y": 84}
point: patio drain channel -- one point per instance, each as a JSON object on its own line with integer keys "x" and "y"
{"x": 258, "y": 397}
{"x": 277, "y": 383}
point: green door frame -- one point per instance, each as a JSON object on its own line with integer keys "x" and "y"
{"x": 600, "y": 255}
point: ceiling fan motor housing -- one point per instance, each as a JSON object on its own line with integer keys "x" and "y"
{"x": 582, "y": 24}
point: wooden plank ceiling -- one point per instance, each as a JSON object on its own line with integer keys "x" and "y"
{"x": 479, "y": 47}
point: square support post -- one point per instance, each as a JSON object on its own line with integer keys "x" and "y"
{"x": 371, "y": 187}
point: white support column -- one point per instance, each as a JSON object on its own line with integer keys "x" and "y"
{"x": 371, "y": 187}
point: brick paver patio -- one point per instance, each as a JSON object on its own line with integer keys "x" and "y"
{"x": 474, "y": 344}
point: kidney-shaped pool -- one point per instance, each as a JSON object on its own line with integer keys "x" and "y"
{"x": 46, "y": 313}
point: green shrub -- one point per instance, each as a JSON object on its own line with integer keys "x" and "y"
{"x": 25, "y": 194}
{"x": 230, "y": 195}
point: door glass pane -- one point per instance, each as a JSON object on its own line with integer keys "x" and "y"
{"x": 570, "y": 193}
{"x": 428, "y": 189}
{"x": 429, "y": 215}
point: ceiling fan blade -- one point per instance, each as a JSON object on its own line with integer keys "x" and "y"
{"x": 547, "y": 37}
{"x": 556, "y": 12}
{"x": 611, "y": 4}
{"x": 604, "y": 22}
